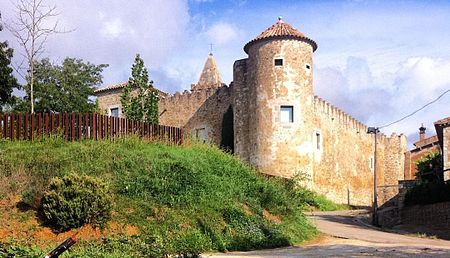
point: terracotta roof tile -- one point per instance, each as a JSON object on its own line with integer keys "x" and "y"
{"x": 122, "y": 85}
{"x": 280, "y": 29}
{"x": 429, "y": 140}
{"x": 443, "y": 121}
{"x": 111, "y": 87}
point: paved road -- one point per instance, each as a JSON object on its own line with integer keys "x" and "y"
{"x": 348, "y": 225}
{"x": 348, "y": 236}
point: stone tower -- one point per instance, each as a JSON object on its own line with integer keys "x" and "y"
{"x": 273, "y": 90}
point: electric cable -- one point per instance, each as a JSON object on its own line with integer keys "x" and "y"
{"x": 413, "y": 113}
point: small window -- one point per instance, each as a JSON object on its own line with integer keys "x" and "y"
{"x": 286, "y": 114}
{"x": 318, "y": 140}
{"x": 308, "y": 66}
{"x": 278, "y": 62}
{"x": 114, "y": 112}
{"x": 200, "y": 134}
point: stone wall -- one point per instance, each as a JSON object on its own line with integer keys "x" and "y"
{"x": 240, "y": 105}
{"x": 214, "y": 118}
{"x": 176, "y": 110}
{"x": 435, "y": 215}
{"x": 446, "y": 152}
{"x": 109, "y": 99}
{"x": 343, "y": 155}
{"x": 392, "y": 163}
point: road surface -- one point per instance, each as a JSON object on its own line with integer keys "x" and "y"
{"x": 348, "y": 236}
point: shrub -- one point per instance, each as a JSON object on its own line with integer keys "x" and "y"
{"x": 73, "y": 200}
{"x": 428, "y": 193}
{"x": 429, "y": 168}
{"x": 14, "y": 250}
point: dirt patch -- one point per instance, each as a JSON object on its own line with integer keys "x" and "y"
{"x": 268, "y": 216}
{"x": 16, "y": 224}
{"x": 246, "y": 209}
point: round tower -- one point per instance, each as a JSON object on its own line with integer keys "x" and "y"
{"x": 280, "y": 100}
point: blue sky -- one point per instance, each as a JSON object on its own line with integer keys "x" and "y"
{"x": 377, "y": 60}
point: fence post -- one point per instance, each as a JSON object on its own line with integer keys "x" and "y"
{"x": 11, "y": 127}
{"x": 19, "y": 126}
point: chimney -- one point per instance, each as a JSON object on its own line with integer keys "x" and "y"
{"x": 422, "y": 130}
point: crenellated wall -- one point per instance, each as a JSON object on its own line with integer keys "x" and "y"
{"x": 177, "y": 109}
{"x": 201, "y": 113}
{"x": 344, "y": 156}
{"x": 215, "y": 118}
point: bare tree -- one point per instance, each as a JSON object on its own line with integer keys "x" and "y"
{"x": 32, "y": 26}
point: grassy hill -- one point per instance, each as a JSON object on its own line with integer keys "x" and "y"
{"x": 167, "y": 200}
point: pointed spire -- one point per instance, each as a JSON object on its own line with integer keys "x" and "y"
{"x": 210, "y": 76}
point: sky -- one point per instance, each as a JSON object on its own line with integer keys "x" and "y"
{"x": 376, "y": 60}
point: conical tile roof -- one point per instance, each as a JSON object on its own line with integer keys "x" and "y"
{"x": 280, "y": 29}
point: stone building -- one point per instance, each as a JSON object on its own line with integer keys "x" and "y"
{"x": 421, "y": 148}
{"x": 443, "y": 134}
{"x": 270, "y": 117}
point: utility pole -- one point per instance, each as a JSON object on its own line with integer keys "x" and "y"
{"x": 374, "y": 131}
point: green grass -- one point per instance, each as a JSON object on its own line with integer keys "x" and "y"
{"x": 183, "y": 199}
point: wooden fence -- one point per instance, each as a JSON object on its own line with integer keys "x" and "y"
{"x": 79, "y": 126}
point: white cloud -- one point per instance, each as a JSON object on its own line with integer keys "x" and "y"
{"x": 380, "y": 100}
{"x": 111, "y": 32}
{"x": 222, "y": 33}
{"x": 113, "y": 28}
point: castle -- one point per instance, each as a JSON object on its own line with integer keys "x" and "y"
{"x": 270, "y": 117}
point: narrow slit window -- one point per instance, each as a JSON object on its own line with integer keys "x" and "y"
{"x": 278, "y": 62}
{"x": 287, "y": 114}
{"x": 318, "y": 143}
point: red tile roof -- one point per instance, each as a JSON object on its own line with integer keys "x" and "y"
{"x": 443, "y": 121}
{"x": 122, "y": 85}
{"x": 112, "y": 87}
{"x": 281, "y": 29}
{"x": 429, "y": 140}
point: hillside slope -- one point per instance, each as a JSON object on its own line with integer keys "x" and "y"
{"x": 167, "y": 200}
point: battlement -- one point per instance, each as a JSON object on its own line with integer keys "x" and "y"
{"x": 345, "y": 120}
{"x": 337, "y": 115}
{"x": 191, "y": 96}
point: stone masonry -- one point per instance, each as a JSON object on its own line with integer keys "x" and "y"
{"x": 269, "y": 117}
{"x": 443, "y": 133}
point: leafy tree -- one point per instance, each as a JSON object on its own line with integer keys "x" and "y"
{"x": 64, "y": 88}
{"x": 139, "y": 99}
{"x": 7, "y": 81}
{"x": 429, "y": 168}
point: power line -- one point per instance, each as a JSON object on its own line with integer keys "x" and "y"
{"x": 413, "y": 113}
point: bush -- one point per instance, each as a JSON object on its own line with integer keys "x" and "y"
{"x": 74, "y": 200}
{"x": 428, "y": 193}
{"x": 14, "y": 250}
{"x": 429, "y": 168}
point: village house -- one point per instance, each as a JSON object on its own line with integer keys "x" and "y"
{"x": 270, "y": 117}
{"x": 421, "y": 148}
